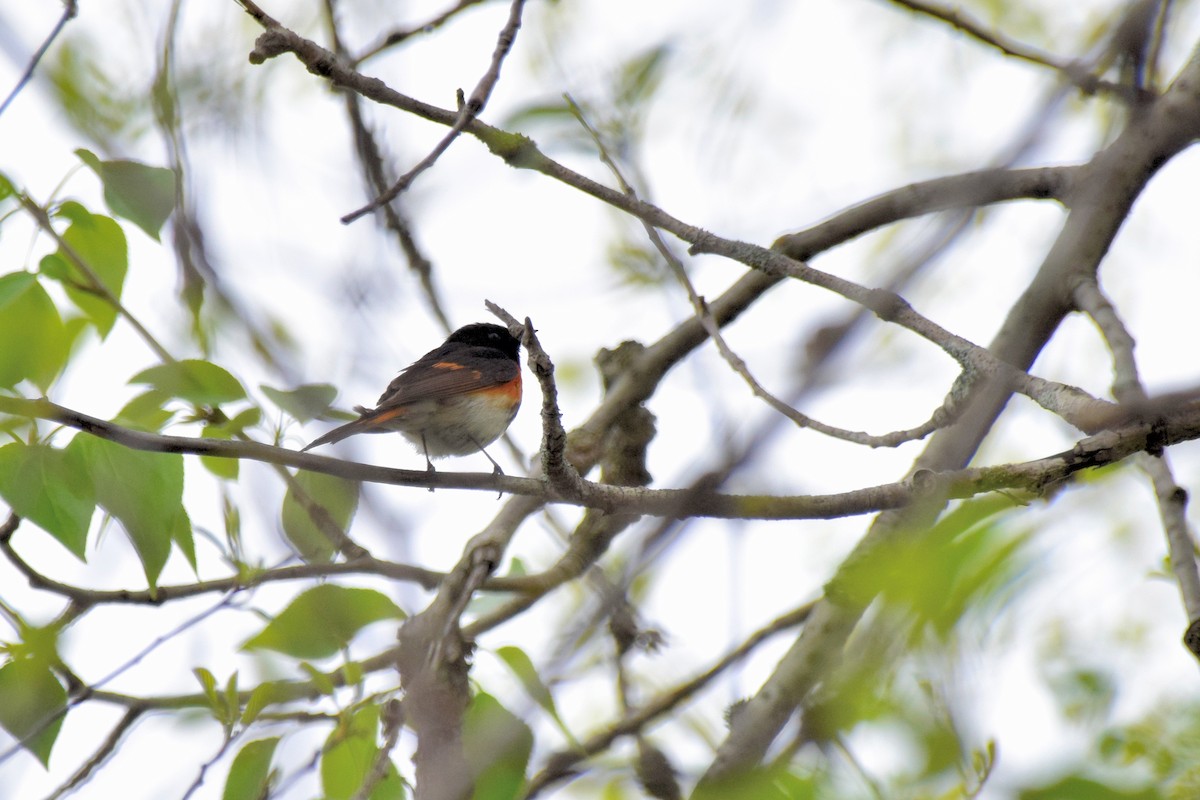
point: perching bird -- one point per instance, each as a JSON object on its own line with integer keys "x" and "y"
{"x": 451, "y": 401}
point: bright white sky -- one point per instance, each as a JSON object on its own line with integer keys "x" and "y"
{"x": 842, "y": 100}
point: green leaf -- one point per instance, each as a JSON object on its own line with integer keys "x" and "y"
{"x": 263, "y": 695}
{"x": 32, "y": 705}
{"x": 51, "y": 488}
{"x": 99, "y": 242}
{"x": 523, "y": 668}
{"x": 639, "y": 77}
{"x": 181, "y": 535}
{"x": 323, "y": 620}
{"x": 193, "y": 380}
{"x": 142, "y": 194}
{"x": 146, "y": 411}
{"x": 321, "y": 681}
{"x": 38, "y": 642}
{"x": 208, "y": 684}
{"x": 1075, "y": 787}
{"x": 939, "y": 573}
{"x": 36, "y": 342}
{"x": 349, "y": 753}
{"x": 349, "y": 756}
{"x": 247, "y": 418}
{"x": 227, "y": 468}
{"x": 303, "y": 403}
{"x": 391, "y": 787}
{"x": 497, "y": 745}
{"x": 144, "y": 491}
{"x": 313, "y": 493}
{"x": 554, "y": 111}
{"x": 250, "y": 773}
{"x": 759, "y": 783}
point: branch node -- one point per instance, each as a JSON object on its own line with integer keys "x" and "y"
{"x": 269, "y": 44}
{"x": 885, "y": 304}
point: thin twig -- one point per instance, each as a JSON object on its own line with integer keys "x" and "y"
{"x": 1075, "y": 72}
{"x": 399, "y": 35}
{"x": 70, "y": 9}
{"x": 89, "y": 691}
{"x": 942, "y": 416}
{"x": 375, "y": 174}
{"x": 425, "y": 578}
{"x": 228, "y": 741}
{"x": 101, "y": 755}
{"x": 467, "y": 112}
{"x": 561, "y": 764}
{"x": 1128, "y": 389}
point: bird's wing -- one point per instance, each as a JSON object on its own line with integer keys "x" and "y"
{"x": 436, "y": 378}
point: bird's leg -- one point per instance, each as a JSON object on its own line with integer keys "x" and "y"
{"x": 428, "y": 464}
{"x": 495, "y": 467}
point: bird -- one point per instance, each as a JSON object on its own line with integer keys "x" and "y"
{"x": 454, "y": 400}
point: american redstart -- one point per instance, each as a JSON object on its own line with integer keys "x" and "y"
{"x": 451, "y": 401}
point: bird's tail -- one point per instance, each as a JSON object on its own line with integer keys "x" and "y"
{"x": 337, "y": 434}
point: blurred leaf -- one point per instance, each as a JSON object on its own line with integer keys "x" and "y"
{"x": 144, "y": 491}
{"x": 321, "y": 681}
{"x": 51, "y": 488}
{"x": 760, "y": 783}
{"x": 640, "y": 76}
{"x": 323, "y": 620}
{"x": 145, "y": 412}
{"x": 555, "y": 111}
{"x": 939, "y": 573}
{"x": 181, "y": 535}
{"x": 37, "y": 642}
{"x": 392, "y": 787}
{"x": 228, "y": 468}
{"x": 861, "y": 692}
{"x": 349, "y": 755}
{"x": 303, "y": 403}
{"x": 523, "y": 668}
{"x": 104, "y": 108}
{"x": 32, "y": 705}
{"x": 1075, "y": 787}
{"x": 142, "y": 194}
{"x": 497, "y": 745}
{"x": 99, "y": 242}
{"x": 941, "y": 744}
{"x": 36, "y": 340}
{"x": 346, "y": 760}
{"x": 224, "y": 468}
{"x": 1084, "y": 694}
{"x": 637, "y": 264}
{"x": 208, "y": 684}
{"x": 250, "y": 774}
{"x": 1165, "y": 743}
{"x": 336, "y": 497}
{"x": 263, "y": 695}
{"x": 193, "y": 380}
{"x": 231, "y": 698}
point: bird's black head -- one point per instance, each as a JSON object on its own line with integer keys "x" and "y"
{"x": 485, "y": 334}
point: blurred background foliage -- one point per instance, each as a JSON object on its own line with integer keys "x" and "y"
{"x": 143, "y": 108}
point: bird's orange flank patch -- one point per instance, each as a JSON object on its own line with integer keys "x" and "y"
{"x": 390, "y": 414}
{"x": 510, "y": 391}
